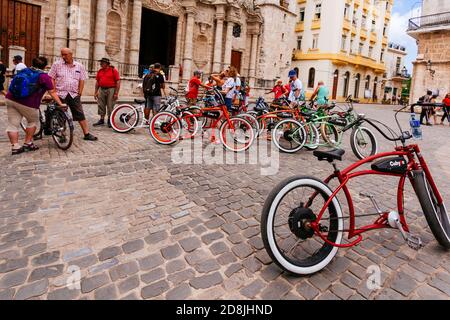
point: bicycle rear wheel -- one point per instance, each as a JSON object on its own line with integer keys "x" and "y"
{"x": 285, "y": 225}
{"x": 330, "y": 134}
{"x": 124, "y": 118}
{"x": 236, "y": 134}
{"x": 62, "y": 129}
{"x": 436, "y": 214}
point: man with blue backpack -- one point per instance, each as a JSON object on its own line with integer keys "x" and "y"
{"x": 23, "y": 101}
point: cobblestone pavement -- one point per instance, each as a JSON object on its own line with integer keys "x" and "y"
{"x": 140, "y": 227}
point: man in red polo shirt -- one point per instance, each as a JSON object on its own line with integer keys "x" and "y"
{"x": 194, "y": 84}
{"x": 106, "y": 90}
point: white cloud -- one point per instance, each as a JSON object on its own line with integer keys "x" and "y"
{"x": 397, "y": 34}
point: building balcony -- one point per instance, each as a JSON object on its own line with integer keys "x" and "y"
{"x": 384, "y": 41}
{"x": 300, "y": 27}
{"x": 315, "y": 24}
{"x": 363, "y": 34}
{"x": 357, "y": 3}
{"x": 301, "y": 1}
{"x": 373, "y": 37}
{"x": 429, "y": 23}
{"x": 347, "y": 25}
{"x": 342, "y": 59}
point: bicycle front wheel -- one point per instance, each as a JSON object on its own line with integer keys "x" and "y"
{"x": 124, "y": 118}
{"x": 435, "y": 213}
{"x": 330, "y": 135}
{"x": 236, "y": 134}
{"x": 62, "y": 130}
{"x": 363, "y": 142}
{"x": 289, "y": 136}
{"x": 165, "y": 128}
{"x": 286, "y": 229}
{"x": 39, "y": 125}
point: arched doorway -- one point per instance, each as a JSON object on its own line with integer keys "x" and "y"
{"x": 335, "y": 84}
{"x": 357, "y": 84}
{"x": 346, "y": 83}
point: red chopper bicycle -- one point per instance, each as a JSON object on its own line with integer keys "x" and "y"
{"x": 302, "y": 223}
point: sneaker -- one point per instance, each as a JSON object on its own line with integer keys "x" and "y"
{"x": 17, "y": 151}
{"x": 100, "y": 122}
{"x": 109, "y": 124}
{"x": 30, "y": 147}
{"x": 90, "y": 137}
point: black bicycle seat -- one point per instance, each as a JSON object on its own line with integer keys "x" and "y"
{"x": 329, "y": 155}
{"x": 139, "y": 101}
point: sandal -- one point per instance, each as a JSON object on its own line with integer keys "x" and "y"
{"x": 17, "y": 151}
{"x": 30, "y": 147}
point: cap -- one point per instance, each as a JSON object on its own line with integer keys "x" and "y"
{"x": 106, "y": 60}
{"x": 197, "y": 72}
{"x": 292, "y": 73}
{"x": 18, "y": 58}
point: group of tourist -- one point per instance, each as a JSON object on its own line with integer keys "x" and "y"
{"x": 429, "y": 109}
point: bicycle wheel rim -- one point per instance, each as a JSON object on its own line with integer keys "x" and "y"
{"x": 124, "y": 118}
{"x": 236, "y": 134}
{"x": 189, "y": 124}
{"x": 165, "y": 128}
{"x": 289, "y": 136}
{"x": 364, "y": 143}
{"x": 62, "y": 133}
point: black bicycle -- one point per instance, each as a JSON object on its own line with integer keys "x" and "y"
{"x": 57, "y": 122}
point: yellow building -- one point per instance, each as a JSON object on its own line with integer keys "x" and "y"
{"x": 343, "y": 43}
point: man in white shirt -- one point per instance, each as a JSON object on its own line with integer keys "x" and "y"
{"x": 17, "y": 60}
{"x": 296, "y": 87}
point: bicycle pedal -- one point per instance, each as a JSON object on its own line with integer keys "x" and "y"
{"x": 414, "y": 242}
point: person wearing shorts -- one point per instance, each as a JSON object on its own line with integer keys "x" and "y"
{"x": 153, "y": 86}
{"x": 28, "y": 108}
{"x": 69, "y": 77}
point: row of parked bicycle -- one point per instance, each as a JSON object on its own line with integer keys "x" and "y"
{"x": 290, "y": 128}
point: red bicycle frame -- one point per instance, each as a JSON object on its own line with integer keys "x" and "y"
{"x": 344, "y": 176}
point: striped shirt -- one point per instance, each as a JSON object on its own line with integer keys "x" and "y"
{"x": 67, "y": 77}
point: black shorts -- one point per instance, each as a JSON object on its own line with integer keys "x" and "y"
{"x": 75, "y": 107}
{"x": 2, "y": 84}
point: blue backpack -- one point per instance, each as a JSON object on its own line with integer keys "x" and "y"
{"x": 25, "y": 83}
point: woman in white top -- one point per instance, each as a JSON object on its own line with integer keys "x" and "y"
{"x": 229, "y": 87}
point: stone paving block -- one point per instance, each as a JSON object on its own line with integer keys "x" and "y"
{"x": 153, "y": 275}
{"x": 253, "y": 289}
{"x": 7, "y": 294}
{"x": 320, "y": 282}
{"x": 207, "y": 266}
{"x": 155, "y": 289}
{"x": 206, "y": 281}
{"x": 441, "y": 285}
{"x": 123, "y": 270}
{"x": 150, "y": 261}
{"x": 106, "y": 293}
{"x": 276, "y": 290}
{"x": 35, "y": 249}
{"x": 252, "y": 264}
{"x": 190, "y": 244}
{"x": 63, "y": 294}
{"x": 46, "y": 272}
{"x": 156, "y": 237}
{"x": 181, "y": 276}
{"x": 218, "y": 248}
{"x": 341, "y": 291}
{"x": 226, "y": 258}
{"x": 76, "y": 254}
{"x": 84, "y": 262}
{"x": 14, "y": 236}
{"x": 175, "y": 266}
{"x": 104, "y": 266}
{"x": 92, "y": 283}
{"x": 133, "y": 246}
{"x": 13, "y": 279}
{"x": 242, "y": 250}
{"x": 128, "y": 284}
{"x": 13, "y": 264}
{"x": 232, "y": 269}
{"x": 426, "y": 292}
{"x": 109, "y": 253}
{"x": 307, "y": 291}
{"x": 32, "y": 290}
{"x": 403, "y": 283}
{"x": 212, "y": 236}
{"x": 181, "y": 292}
{"x": 171, "y": 252}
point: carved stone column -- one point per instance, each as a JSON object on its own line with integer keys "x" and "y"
{"x": 228, "y": 44}
{"x": 220, "y": 15}
{"x": 188, "y": 43}
{"x": 60, "y": 40}
{"x": 100, "y": 29}
{"x": 253, "y": 54}
{"x": 135, "y": 32}
{"x": 83, "y": 34}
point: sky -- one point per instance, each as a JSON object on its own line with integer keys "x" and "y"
{"x": 402, "y": 11}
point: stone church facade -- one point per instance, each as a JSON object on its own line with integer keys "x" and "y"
{"x": 183, "y": 35}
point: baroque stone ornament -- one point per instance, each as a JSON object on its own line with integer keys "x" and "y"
{"x": 120, "y": 5}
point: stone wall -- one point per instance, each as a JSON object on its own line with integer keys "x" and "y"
{"x": 432, "y": 46}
